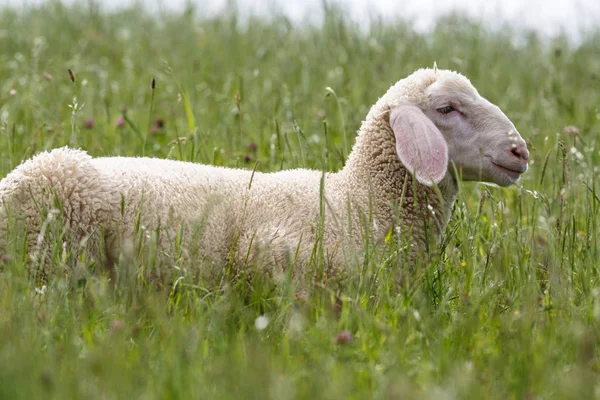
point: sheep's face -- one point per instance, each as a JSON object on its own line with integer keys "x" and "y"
{"x": 483, "y": 143}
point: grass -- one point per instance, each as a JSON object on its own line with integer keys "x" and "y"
{"x": 511, "y": 309}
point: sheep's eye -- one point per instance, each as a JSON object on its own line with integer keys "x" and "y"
{"x": 446, "y": 110}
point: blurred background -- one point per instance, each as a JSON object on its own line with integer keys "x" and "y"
{"x": 549, "y": 18}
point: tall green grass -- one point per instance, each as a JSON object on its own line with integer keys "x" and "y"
{"x": 509, "y": 309}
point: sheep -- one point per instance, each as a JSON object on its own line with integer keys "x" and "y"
{"x": 426, "y": 132}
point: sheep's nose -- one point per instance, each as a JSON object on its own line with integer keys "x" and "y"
{"x": 520, "y": 151}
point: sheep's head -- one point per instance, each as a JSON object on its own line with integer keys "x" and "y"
{"x": 447, "y": 123}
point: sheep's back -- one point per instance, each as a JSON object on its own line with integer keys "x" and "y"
{"x": 214, "y": 204}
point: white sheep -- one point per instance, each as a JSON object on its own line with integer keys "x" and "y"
{"x": 429, "y": 126}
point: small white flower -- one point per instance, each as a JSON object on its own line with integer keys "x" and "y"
{"x": 261, "y": 322}
{"x": 41, "y": 291}
{"x": 417, "y": 315}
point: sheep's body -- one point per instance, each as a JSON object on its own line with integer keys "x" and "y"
{"x": 263, "y": 217}
{"x": 233, "y": 215}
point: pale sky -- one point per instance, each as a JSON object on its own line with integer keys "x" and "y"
{"x": 548, "y": 17}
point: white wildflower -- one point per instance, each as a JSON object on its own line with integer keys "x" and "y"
{"x": 576, "y": 153}
{"x": 41, "y": 291}
{"x": 417, "y": 315}
{"x": 261, "y": 322}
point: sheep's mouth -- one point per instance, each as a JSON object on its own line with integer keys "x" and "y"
{"x": 513, "y": 174}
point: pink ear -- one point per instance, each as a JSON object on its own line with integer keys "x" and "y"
{"x": 420, "y": 145}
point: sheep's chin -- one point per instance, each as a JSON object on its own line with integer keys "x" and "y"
{"x": 501, "y": 175}
{"x": 491, "y": 174}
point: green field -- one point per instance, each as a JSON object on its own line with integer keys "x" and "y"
{"x": 510, "y": 309}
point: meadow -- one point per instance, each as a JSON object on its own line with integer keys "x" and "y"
{"x": 509, "y": 308}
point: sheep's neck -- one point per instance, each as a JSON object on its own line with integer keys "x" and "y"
{"x": 379, "y": 182}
